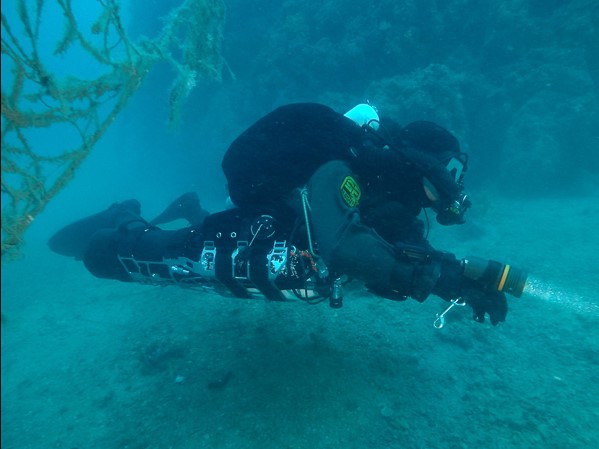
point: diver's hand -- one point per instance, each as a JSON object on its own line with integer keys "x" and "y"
{"x": 482, "y": 302}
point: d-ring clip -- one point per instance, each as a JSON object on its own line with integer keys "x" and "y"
{"x": 440, "y": 320}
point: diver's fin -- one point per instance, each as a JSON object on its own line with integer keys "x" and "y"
{"x": 187, "y": 206}
{"x": 73, "y": 239}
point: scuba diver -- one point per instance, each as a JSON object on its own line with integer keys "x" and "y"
{"x": 318, "y": 198}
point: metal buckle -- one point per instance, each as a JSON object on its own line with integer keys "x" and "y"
{"x": 276, "y": 259}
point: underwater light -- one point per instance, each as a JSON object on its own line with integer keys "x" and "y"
{"x": 489, "y": 276}
{"x": 495, "y": 276}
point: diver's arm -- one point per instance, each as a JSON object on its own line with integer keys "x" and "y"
{"x": 400, "y": 271}
{"x": 351, "y": 248}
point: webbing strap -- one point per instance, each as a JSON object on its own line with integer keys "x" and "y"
{"x": 306, "y": 207}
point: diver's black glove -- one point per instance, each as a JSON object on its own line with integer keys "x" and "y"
{"x": 452, "y": 285}
{"x": 484, "y": 302}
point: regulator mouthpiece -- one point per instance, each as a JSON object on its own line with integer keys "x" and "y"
{"x": 495, "y": 276}
{"x": 454, "y": 212}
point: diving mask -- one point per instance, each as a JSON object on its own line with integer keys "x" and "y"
{"x": 457, "y": 166}
{"x": 450, "y": 211}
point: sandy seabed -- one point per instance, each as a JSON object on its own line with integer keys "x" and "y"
{"x": 96, "y": 364}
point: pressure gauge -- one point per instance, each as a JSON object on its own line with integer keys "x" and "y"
{"x": 263, "y": 227}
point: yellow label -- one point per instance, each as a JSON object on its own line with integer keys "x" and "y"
{"x": 350, "y": 191}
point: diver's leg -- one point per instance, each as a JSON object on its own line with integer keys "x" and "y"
{"x": 150, "y": 255}
{"x": 73, "y": 239}
{"x": 137, "y": 252}
{"x": 187, "y": 207}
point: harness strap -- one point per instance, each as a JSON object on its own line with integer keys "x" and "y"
{"x": 306, "y": 207}
{"x": 323, "y": 271}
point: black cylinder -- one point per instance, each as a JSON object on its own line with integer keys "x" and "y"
{"x": 495, "y": 276}
{"x": 336, "y": 298}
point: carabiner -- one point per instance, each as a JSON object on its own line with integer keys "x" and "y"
{"x": 440, "y": 320}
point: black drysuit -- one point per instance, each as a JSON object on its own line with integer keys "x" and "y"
{"x": 310, "y": 145}
{"x": 364, "y": 199}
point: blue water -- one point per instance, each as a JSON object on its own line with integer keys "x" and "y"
{"x": 90, "y": 363}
